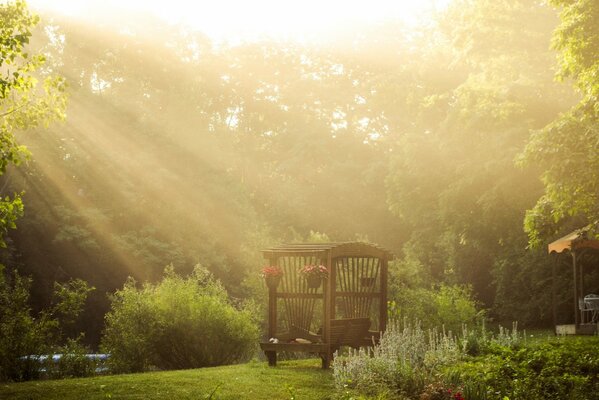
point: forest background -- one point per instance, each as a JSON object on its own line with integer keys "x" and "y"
{"x": 432, "y": 142}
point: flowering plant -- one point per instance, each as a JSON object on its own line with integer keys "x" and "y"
{"x": 272, "y": 270}
{"x": 314, "y": 270}
{"x": 438, "y": 391}
{"x": 455, "y": 396}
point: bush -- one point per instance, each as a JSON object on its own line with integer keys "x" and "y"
{"x": 446, "y": 306}
{"x": 20, "y": 334}
{"x": 557, "y": 369}
{"x": 177, "y": 323}
{"x": 23, "y": 337}
{"x": 481, "y": 341}
{"x": 73, "y": 361}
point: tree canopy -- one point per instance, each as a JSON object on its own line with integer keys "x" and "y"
{"x": 567, "y": 148}
{"x": 24, "y": 102}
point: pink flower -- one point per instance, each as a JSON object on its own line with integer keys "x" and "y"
{"x": 273, "y": 271}
{"x": 314, "y": 270}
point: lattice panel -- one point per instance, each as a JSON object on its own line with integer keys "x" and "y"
{"x": 357, "y": 282}
{"x": 299, "y": 312}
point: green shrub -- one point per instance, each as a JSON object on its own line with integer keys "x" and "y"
{"x": 177, "y": 323}
{"x": 23, "y": 336}
{"x": 20, "y": 334}
{"x": 445, "y": 306}
{"x": 480, "y": 341}
{"x": 73, "y": 362}
{"x": 558, "y": 369}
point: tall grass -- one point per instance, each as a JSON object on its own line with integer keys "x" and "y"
{"x": 409, "y": 360}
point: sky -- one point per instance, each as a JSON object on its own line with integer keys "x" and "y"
{"x": 235, "y": 19}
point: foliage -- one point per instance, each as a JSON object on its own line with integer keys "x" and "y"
{"x": 24, "y": 337}
{"x": 176, "y": 323}
{"x": 523, "y": 285}
{"x": 73, "y": 361}
{"x": 21, "y": 334}
{"x": 444, "y": 306}
{"x": 453, "y": 180}
{"x": 577, "y": 39}
{"x": 68, "y": 300}
{"x": 476, "y": 341}
{"x": 478, "y": 365}
{"x": 566, "y": 148}
{"x": 23, "y": 104}
{"x": 557, "y": 368}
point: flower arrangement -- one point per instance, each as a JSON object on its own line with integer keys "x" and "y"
{"x": 272, "y": 275}
{"x": 314, "y": 270}
{"x": 272, "y": 271}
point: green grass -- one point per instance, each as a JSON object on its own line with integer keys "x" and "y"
{"x": 303, "y": 379}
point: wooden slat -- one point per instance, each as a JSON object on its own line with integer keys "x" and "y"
{"x": 290, "y": 253}
{"x": 295, "y": 347}
{"x": 362, "y": 272}
{"x": 288, "y": 279}
{"x": 338, "y": 249}
{"x": 272, "y": 308}
{"x": 349, "y": 311}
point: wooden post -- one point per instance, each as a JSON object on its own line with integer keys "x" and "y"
{"x": 329, "y": 310}
{"x": 272, "y": 318}
{"x": 581, "y": 272}
{"x": 272, "y": 312}
{"x": 271, "y": 356}
{"x": 553, "y": 291}
{"x": 576, "y": 311}
{"x": 383, "y": 298}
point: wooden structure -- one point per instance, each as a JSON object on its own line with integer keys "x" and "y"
{"x": 578, "y": 245}
{"x": 348, "y": 308}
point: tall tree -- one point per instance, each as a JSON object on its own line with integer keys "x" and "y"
{"x": 24, "y": 102}
{"x": 567, "y": 148}
{"x": 455, "y": 182}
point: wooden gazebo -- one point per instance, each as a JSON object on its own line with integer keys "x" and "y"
{"x": 347, "y": 308}
{"x": 579, "y": 246}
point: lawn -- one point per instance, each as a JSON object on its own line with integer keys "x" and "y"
{"x": 303, "y": 379}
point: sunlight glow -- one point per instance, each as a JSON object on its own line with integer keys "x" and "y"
{"x": 247, "y": 20}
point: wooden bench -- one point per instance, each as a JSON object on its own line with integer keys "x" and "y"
{"x": 352, "y": 332}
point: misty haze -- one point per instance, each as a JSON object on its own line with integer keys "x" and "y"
{"x": 265, "y": 187}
